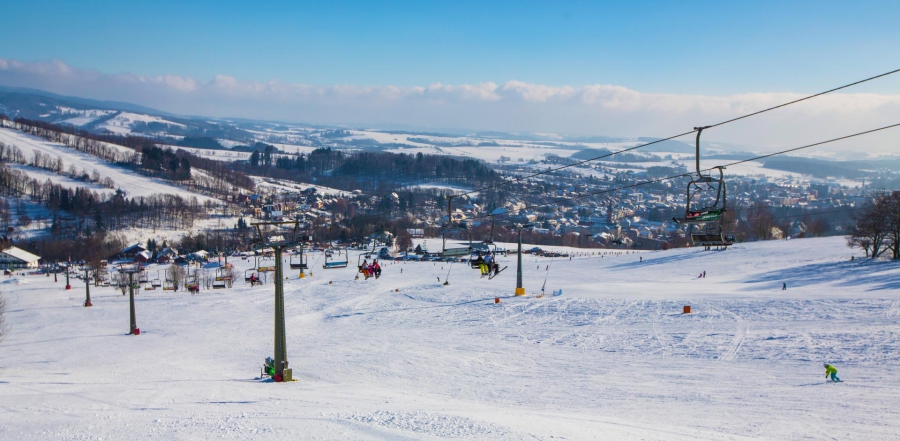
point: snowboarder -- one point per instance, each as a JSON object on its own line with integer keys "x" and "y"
{"x": 832, "y": 371}
{"x": 783, "y": 286}
{"x": 704, "y": 274}
{"x": 642, "y": 259}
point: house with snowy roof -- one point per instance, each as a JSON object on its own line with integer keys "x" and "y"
{"x": 13, "y": 258}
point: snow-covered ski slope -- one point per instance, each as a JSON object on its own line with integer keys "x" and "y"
{"x": 132, "y": 183}
{"x": 405, "y": 357}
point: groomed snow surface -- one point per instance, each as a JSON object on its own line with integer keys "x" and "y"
{"x": 610, "y": 358}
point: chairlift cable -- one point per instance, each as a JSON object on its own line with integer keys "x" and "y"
{"x": 653, "y": 181}
{"x": 683, "y": 134}
{"x": 519, "y": 179}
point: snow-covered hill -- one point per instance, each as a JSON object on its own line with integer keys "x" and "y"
{"x": 406, "y": 357}
{"x": 132, "y": 183}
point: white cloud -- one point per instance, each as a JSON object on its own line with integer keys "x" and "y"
{"x": 513, "y": 106}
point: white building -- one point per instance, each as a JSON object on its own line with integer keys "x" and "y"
{"x": 13, "y": 258}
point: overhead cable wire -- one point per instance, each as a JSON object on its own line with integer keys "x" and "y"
{"x": 551, "y": 170}
{"x": 768, "y": 155}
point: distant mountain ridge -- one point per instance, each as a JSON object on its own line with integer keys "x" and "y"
{"x": 30, "y": 98}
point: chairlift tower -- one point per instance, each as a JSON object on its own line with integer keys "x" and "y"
{"x": 279, "y": 239}
{"x": 520, "y": 290}
{"x": 131, "y": 271}
{"x": 87, "y": 286}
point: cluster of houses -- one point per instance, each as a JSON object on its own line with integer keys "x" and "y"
{"x": 282, "y": 203}
{"x": 140, "y": 254}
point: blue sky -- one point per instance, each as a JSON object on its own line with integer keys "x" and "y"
{"x": 672, "y": 47}
{"x": 610, "y": 68}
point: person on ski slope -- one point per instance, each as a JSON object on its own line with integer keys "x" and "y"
{"x": 488, "y": 264}
{"x": 364, "y": 268}
{"x": 376, "y": 268}
{"x": 831, "y": 371}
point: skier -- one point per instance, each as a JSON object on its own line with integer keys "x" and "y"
{"x": 487, "y": 265}
{"x": 376, "y": 268}
{"x": 642, "y": 259}
{"x": 832, "y": 371}
{"x": 704, "y": 274}
{"x": 783, "y": 286}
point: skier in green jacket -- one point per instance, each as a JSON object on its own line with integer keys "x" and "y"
{"x": 832, "y": 371}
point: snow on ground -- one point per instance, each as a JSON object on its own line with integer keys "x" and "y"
{"x": 122, "y": 122}
{"x": 133, "y": 183}
{"x": 293, "y": 187}
{"x": 218, "y": 155}
{"x": 406, "y": 357}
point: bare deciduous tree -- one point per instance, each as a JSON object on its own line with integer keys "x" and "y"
{"x": 175, "y": 274}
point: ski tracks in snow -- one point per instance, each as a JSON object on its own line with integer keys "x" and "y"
{"x": 740, "y": 334}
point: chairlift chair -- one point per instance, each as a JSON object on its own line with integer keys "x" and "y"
{"x": 265, "y": 264}
{"x": 298, "y": 262}
{"x": 710, "y": 234}
{"x": 336, "y": 258}
{"x": 705, "y": 206}
{"x": 221, "y": 279}
{"x": 192, "y": 284}
{"x": 362, "y": 258}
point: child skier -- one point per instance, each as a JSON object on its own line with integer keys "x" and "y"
{"x": 832, "y": 371}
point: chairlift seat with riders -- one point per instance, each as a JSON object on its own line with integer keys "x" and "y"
{"x": 705, "y": 206}
{"x": 367, "y": 272}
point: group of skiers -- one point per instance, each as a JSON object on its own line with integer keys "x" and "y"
{"x": 487, "y": 264}
{"x": 369, "y": 270}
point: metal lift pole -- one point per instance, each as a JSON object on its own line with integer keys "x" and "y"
{"x": 520, "y": 290}
{"x": 131, "y": 302}
{"x": 87, "y": 287}
{"x": 280, "y": 340}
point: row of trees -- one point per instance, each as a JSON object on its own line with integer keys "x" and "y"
{"x": 78, "y": 140}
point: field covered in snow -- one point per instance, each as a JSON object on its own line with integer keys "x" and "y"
{"x": 132, "y": 183}
{"x": 406, "y": 357}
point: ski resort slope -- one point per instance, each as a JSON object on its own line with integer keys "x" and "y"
{"x": 134, "y": 184}
{"x": 406, "y": 357}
